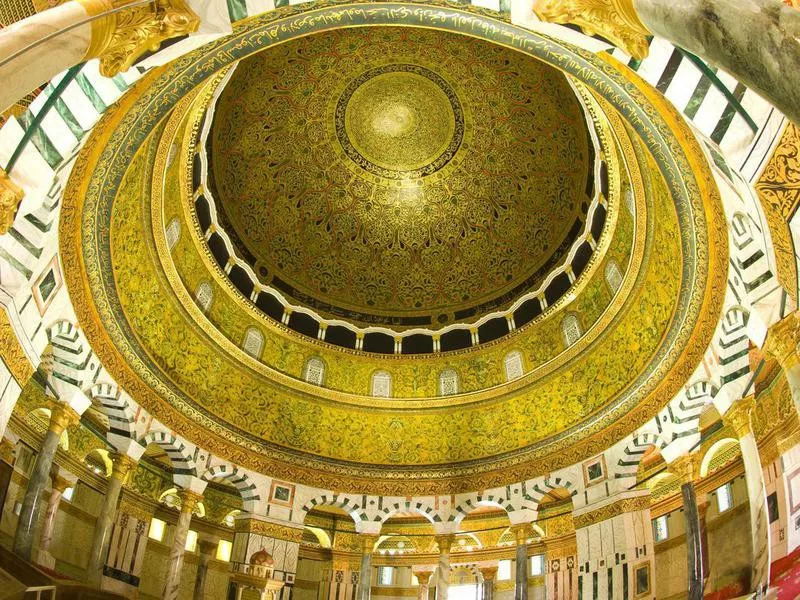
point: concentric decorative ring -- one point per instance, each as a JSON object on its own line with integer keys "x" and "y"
{"x": 401, "y": 117}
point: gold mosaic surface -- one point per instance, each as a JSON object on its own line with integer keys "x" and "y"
{"x": 161, "y": 348}
{"x": 378, "y": 178}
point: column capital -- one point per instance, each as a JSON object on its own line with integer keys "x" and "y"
{"x": 615, "y": 20}
{"x": 445, "y": 541}
{"x": 11, "y": 196}
{"x": 124, "y": 465}
{"x": 189, "y": 500}
{"x": 782, "y": 341}
{"x": 687, "y": 467}
{"x": 62, "y": 416}
{"x": 424, "y": 577}
{"x": 120, "y": 39}
{"x": 738, "y": 416}
{"x": 60, "y": 483}
{"x": 489, "y": 573}
{"x": 522, "y": 532}
{"x": 207, "y": 546}
{"x": 368, "y": 541}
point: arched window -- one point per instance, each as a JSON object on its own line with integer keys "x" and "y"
{"x": 173, "y": 233}
{"x": 253, "y": 342}
{"x": 314, "y": 371}
{"x": 513, "y": 365}
{"x": 448, "y": 382}
{"x": 571, "y": 328}
{"x": 381, "y": 384}
{"x": 613, "y": 275}
{"x": 204, "y": 295}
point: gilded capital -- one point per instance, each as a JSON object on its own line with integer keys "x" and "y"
{"x": 62, "y": 416}
{"x": 189, "y": 500}
{"x": 368, "y": 541}
{"x": 782, "y": 341}
{"x": 445, "y": 542}
{"x": 738, "y": 416}
{"x": 489, "y": 573}
{"x": 120, "y": 39}
{"x": 522, "y": 532}
{"x": 10, "y": 197}
{"x": 123, "y": 466}
{"x": 687, "y": 467}
{"x": 59, "y": 483}
{"x": 423, "y": 577}
{"x": 615, "y": 20}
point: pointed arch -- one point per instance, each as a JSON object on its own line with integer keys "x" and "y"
{"x": 473, "y": 501}
{"x": 347, "y": 503}
{"x": 73, "y": 368}
{"x": 734, "y": 345}
{"x": 424, "y": 509}
{"x": 239, "y": 479}
{"x": 109, "y": 399}
{"x": 183, "y": 465}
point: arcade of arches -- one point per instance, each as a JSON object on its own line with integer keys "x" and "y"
{"x": 353, "y": 300}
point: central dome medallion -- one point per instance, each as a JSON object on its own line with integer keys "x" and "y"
{"x": 400, "y": 177}
{"x": 400, "y": 121}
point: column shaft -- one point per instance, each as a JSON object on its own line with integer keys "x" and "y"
{"x": 443, "y": 575}
{"x": 178, "y": 550}
{"x": 102, "y": 532}
{"x": 32, "y": 502}
{"x": 365, "y": 578}
{"x": 521, "y": 583}
{"x": 756, "y": 41}
{"x": 694, "y": 543}
{"x": 49, "y": 520}
{"x": 759, "y": 519}
{"x": 200, "y": 579}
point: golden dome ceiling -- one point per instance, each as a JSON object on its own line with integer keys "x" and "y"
{"x": 161, "y": 309}
{"x": 370, "y": 179}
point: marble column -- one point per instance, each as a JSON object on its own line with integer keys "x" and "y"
{"x": 424, "y": 579}
{"x": 365, "y": 577}
{"x": 189, "y": 500}
{"x": 123, "y": 466}
{"x": 31, "y": 58}
{"x": 489, "y": 574}
{"x": 445, "y": 543}
{"x": 61, "y": 417}
{"x": 756, "y": 41}
{"x": 59, "y": 484}
{"x": 207, "y": 549}
{"x": 738, "y": 418}
{"x": 522, "y": 533}
{"x": 687, "y": 468}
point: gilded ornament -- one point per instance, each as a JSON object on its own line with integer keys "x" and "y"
{"x": 120, "y": 39}
{"x": 7, "y": 451}
{"x": 189, "y": 500}
{"x": 615, "y": 20}
{"x": 782, "y": 341}
{"x": 368, "y": 542}
{"x": 698, "y": 310}
{"x": 11, "y": 196}
{"x": 737, "y": 417}
{"x": 60, "y": 483}
{"x": 522, "y": 532}
{"x": 62, "y": 416}
{"x": 626, "y": 505}
{"x": 269, "y": 529}
{"x": 12, "y": 353}
{"x": 124, "y": 465}
{"x": 445, "y": 542}
{"x": 687, "y": 467}
{"x": 488, "y": 573}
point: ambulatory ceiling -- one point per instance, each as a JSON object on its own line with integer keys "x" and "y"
{"x": 183, "y": 360}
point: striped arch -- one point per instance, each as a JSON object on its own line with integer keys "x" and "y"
{"x": 109, "y": 399}
{"x": 425, "y": 510}
{"x": 733, "y": 346}
{"x": 628, "y": 464}
{"x": 749, "y": 260}
{"x": 73, "y": 370}
{"x": 466, "y": 506}
{"x": 183, "y": 466}
{"x": 542, "y": 488}
{"x": 347, "y": 504}
{"x": 238, "y": 479}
